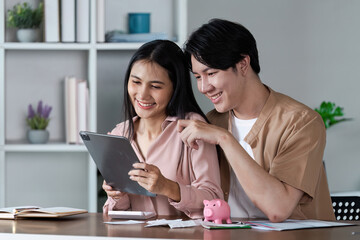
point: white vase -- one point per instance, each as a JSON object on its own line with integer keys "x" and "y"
{"x": 38, "y": 136}
{"x": 27, "y": 35}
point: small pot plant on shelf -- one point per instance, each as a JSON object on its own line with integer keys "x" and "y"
{"x": 27, "y": 21}
{"x": 38, "y": 122}
{"x": 330, "y": 113}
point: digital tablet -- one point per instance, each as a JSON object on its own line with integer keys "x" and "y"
{"x": 114, "y": 157}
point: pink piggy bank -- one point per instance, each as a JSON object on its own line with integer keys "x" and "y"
{"x": 216, "y": 210}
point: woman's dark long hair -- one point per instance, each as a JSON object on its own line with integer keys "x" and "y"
{"x": 169, "y": 56}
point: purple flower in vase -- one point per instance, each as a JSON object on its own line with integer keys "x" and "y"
{"x": 31, "y": 112}
{"x": 46, "y": 111}
{"x": 40, "y": 119}
{"x": 40, "y": 108}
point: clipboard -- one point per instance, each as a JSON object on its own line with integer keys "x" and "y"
{"x": 114, "y": 157}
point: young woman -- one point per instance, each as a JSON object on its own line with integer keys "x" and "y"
{"x": 158, "y": 92}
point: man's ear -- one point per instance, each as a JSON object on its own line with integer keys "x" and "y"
{"x": 243, "y": 65}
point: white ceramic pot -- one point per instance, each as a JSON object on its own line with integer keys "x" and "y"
{"x": 27, "y": 35}
{"x": 38, "y": 136}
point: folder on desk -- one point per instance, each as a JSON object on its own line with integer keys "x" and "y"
{"x": 292, "y": 224}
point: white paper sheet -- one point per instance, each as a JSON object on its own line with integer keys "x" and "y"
{"x": 160, "y": 222}
{"x": 124, "y": 222}
{"x": 293, "y": 224}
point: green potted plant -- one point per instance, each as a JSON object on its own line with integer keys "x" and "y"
{"x": 38, "y": 122}
{"x": 27, "y": 21}
{"x": 330, "y": 113}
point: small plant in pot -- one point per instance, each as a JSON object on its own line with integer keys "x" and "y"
{"x": 27, "y": 21}
{"x": 38, "y": 122}
{"x": 330, "y": 113}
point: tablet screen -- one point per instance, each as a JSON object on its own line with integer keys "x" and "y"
{"x": 114, "y": 157}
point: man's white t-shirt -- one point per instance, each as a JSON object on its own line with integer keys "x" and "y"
{"x": 240, "y": 204}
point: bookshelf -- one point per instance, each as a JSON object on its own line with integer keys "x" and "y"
{"x": 57, "y": 173}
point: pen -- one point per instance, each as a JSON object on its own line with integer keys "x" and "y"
{"x": 354, "y": 233}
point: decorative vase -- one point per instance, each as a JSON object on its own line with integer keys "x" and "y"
{"x": 27, "y": 35}
{"x": 38, "y": 136}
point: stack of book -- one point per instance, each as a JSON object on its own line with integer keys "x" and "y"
{"x": 119, "y": 36}
{"x": 67, "y": 21}
{"x": 100, "y": 23}
{"x": 76, "y": 108}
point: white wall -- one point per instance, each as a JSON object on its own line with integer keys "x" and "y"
{"x": 310, "y": 51}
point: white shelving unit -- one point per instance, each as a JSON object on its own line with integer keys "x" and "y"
{"x": 57, "y": 173}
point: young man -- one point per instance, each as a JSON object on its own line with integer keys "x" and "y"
{"x": 271, "y": 145}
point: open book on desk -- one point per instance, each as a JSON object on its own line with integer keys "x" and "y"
{"x": 38, "y": 212}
